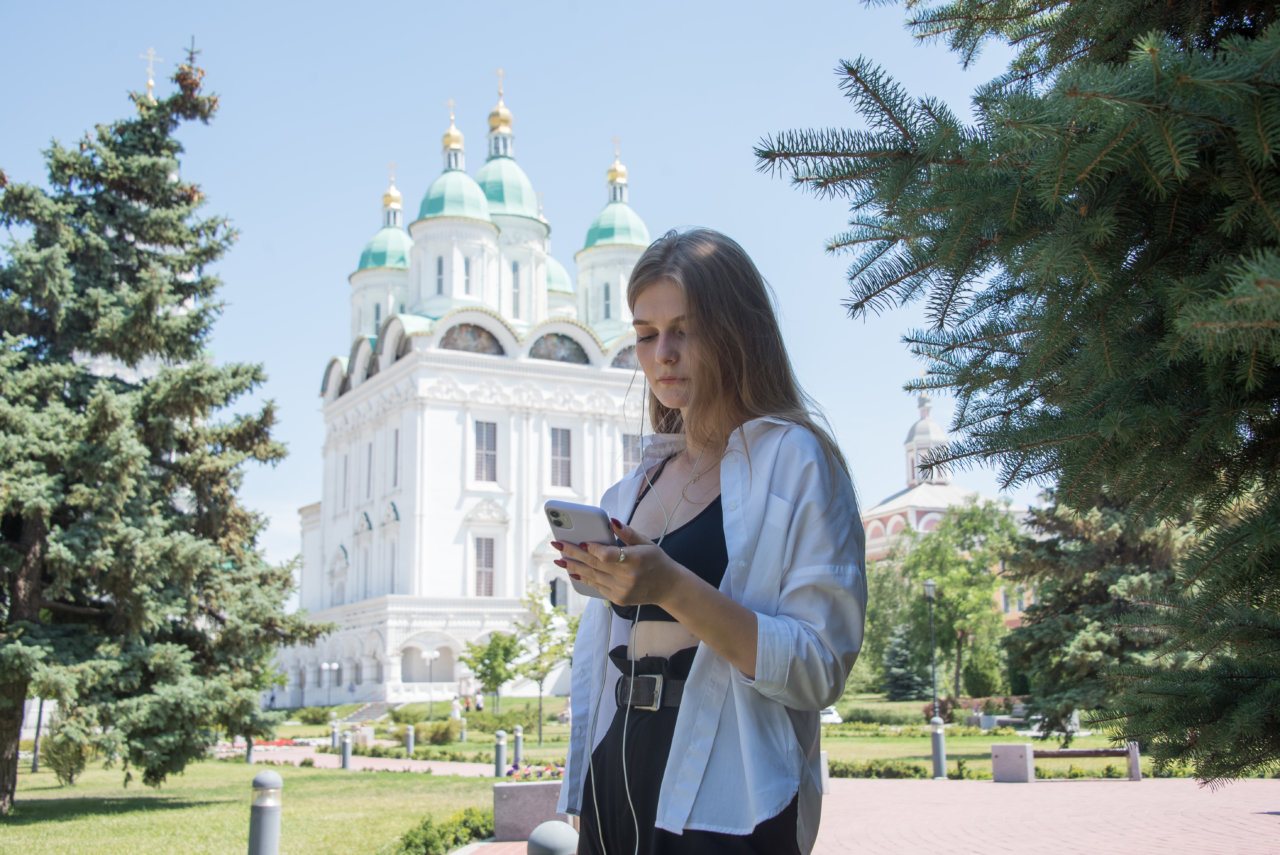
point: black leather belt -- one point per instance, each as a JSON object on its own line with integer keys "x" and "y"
{"x": 648, "y": 691}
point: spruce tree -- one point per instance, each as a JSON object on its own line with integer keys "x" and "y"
{"x": 902, "y": 680}
{"x": 1089, "y": 569}
{"x": 1098, "y": 251}
{"x": 131, "y": 589}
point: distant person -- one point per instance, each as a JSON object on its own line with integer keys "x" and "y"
{"x": 736, "y": 593}
{"x": 479, "y": 703}
{"x": 468, "y": 703}
{"x": 455, "y": 708}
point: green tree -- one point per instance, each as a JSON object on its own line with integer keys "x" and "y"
{"x": 491, "y": 662}
{"x": 546, "y": 640}
{"x": 1098, "y": 251}
{"x": 902, "y": 679}
{"x": 1089, "y": 569}
{"x": 963, "y": 556}
{"x": 131, "y": 589}
{"x": 888, "y": 606}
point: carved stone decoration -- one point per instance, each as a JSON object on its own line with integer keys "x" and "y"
{"x": 626, "y": 358}
{"x": 490, "y": 392}
{"x": 443, "y": 389}
{"x": 559, "y": 348}
{"x": 600, "y": 403}
{"x": 472, "y": 339}
{"x": 488, "y": 511}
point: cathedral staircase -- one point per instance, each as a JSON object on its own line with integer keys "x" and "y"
{"x": 369, "y": 712}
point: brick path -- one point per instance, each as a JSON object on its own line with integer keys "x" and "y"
{"x": 1057, "y": 817}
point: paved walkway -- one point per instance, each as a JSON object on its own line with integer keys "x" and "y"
{"x": 1059, "y": 817}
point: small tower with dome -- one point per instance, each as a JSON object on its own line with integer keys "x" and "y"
{"x": 380, "y": 281}
{"x": 608, "y": 255}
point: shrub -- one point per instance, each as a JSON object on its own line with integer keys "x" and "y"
{"x": 876, "y": 769}
{"x": 307, "y": 762}
{"x": 490, "y": 722}
{"x": 437, "y": 838}
{"x": 66, "y": 750}
{"x": 313, "y": 715}
{"x": 862, "y": 715}
{"x": 408, "y": 714}
{"x": 437, "y": 732}
{"x": 946, "y": 709}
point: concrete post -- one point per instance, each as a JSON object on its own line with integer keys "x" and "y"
{"x": 463, "y": 736}
{"x": 500, "y": 754}
{"x": 346, "y": 750}
{"x": 1013, "y": 763}
{"x": 1135, "y": 765}
{"x": 519, "y": 752}
{"x": 939, "y": 739}
{"x": 333, "y": 735}
{"x": 264, "y": 814}
{"x": 410, "y": 734}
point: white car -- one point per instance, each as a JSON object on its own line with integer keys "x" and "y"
{"x": 829, "y": 716}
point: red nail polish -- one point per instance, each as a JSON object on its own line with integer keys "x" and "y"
{"x": 560, "y": 562}
{"x": 582, "y": 546}
{"x": 557, "y": 545}
{"x": 575, "y": 576}
{"x": 616, "y": 524}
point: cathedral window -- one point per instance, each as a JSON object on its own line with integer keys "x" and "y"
{"x": 466, "y": 275}
{"x": 561, "y": 461}
{"x": 486, "y": 451}
{"x": 515, "y": 289}
{"x": 395, "y": 457}
{"x": 630, "y": 451}
{"x": 377, "y": 314}
{"x": 484, "y": 566}
{"x": 439, "y": 274}
{"x": 607, "y": 301}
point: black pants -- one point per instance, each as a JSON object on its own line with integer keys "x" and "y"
{"x": 607, "y": 805}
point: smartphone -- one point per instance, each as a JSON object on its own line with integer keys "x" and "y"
{"x": 580, "y": 524}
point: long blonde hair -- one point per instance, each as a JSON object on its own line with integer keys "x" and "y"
{"x": 744, "y": 371}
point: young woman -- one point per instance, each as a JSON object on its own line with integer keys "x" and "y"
{"x": 736, "y": 591}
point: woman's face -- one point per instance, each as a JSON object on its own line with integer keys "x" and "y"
{"x": 664, "y": 348}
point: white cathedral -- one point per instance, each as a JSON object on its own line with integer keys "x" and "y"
{"x": 482, "y": 380}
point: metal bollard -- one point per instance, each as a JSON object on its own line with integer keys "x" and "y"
{"x": 346, "y": 750}
{"x": 463, "y": 736}
{"x": 500, "y": 754}
{"x": 939, "y": 740}
{"x": 519, "y": 747}
{"x": 264, "y": 814}
{"x": 333, "y": 736}
{"x": 409, "y": 735}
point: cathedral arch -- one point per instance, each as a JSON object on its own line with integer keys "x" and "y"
{"x": 458, "y": 329}
{"x": 564, "y": 341}
{"x": 625, "y": 358}
{"x": 335, "y": 380}
{"x": 394, "y": 337}
{"x": 361, "y": 363}
{"x": 875, "y": 530}
{"x": 896, "y": 525}
{"x": 559, "y": 347}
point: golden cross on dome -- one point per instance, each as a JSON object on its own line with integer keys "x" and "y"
{"x": 151, "y": 58}
{"x": 450, "y": 103}
{"x": 499, "y": 84}
{"x": 540, "y": 206}
{"x": 615, "y": 148}
{"x": 392, "y": 164}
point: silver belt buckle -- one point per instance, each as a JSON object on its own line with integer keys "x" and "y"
{"x": 657, "y": 694}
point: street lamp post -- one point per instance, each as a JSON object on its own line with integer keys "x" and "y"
{"x": 931, "y": 591}
{"x": 332, "y": 669}
{"x": 431, "y": 682}
{"x": 938, "y": 737}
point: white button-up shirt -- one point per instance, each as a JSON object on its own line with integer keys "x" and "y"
{"x": 743, "y": 748}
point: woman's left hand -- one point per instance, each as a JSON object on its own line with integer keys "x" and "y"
{"x": 638, "y": 573}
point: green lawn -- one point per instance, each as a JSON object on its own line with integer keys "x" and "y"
{"x": 206, "y": 810}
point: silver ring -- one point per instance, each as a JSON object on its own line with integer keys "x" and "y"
{"x": 622, "y": 555}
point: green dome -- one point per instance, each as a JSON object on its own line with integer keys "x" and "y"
{"x": 617, "y": 224}
{"x": 388, "y": 248}
{"x": 507, "y": 188}
{"x": 454, "y": 194}
{"x": 558, "y": 278}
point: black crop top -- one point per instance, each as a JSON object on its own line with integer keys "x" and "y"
{"x": 698, "y": 544}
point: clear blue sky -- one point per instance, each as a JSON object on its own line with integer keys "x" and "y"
{"x": 317, "y": 98}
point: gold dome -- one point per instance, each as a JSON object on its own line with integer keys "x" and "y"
{"x": 391, "y": 199}
{"x": 617, "y": 172}
{"x": 453, "y": 137}
{"x": 500, "y": 118}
